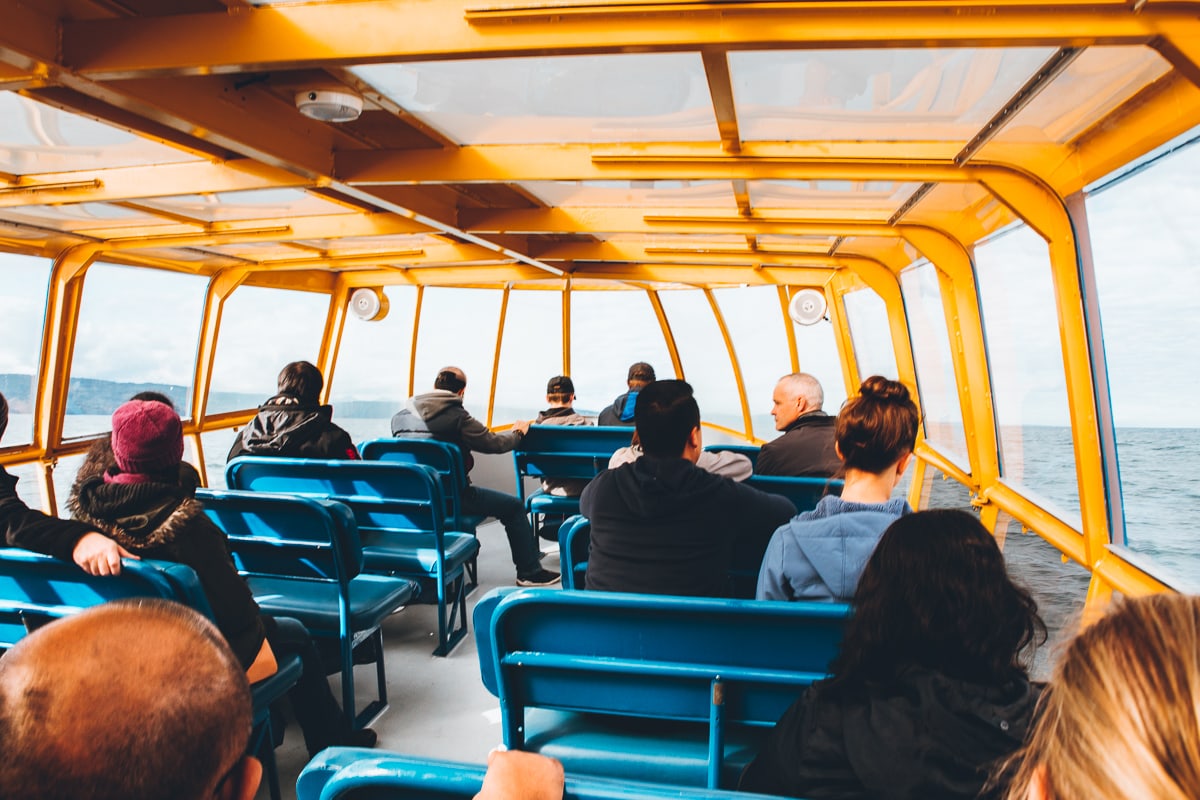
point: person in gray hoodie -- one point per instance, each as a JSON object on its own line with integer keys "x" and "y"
{"x": 440, "y": 415}
{"x": 820, "y": 554}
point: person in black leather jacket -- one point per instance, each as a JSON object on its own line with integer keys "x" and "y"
{"x": 294, "y": 423}
{"x": 930, "y": 687}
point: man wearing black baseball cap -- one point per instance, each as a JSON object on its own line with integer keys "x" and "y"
{"x": 621, "y": 411}
{"x": 560, "y": 395}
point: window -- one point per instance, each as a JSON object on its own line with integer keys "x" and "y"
{"x": 817, "y": 351}
{"x": 1145, "y": 243}
{"x": 530, "y": 355}
{"x": 867, "y": 316}
{"x": 704, "y": 357}
{"x": 935, "y": 367}
{"x": 262, "y": 330}
{"x": 458, "y": 327}
{"x": 138, "y": 330}
{"x": 1029, "y": 391}
{"x": 22, "y": 311}
{"x": 756, "y": 325}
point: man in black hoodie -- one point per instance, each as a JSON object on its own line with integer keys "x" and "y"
{"x": 662, "y": 525}
{"x": 293, "y": 422}
{"x": 440, "y": 415}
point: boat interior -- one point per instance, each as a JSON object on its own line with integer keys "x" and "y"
{"x": 991, "y": 202}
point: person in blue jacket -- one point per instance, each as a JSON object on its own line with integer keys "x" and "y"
{"x": 820, "y": 554}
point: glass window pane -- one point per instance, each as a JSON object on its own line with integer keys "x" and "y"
{"x": 216, "y": 446}
{"x": 458, "y": 328}
{"x": 817, "y": 351}
{"x": 609, "y": 331}
{"x": 530, "y": 355}
{"x": 28, "y": 488}
{"x": 370, "y": 383}
{"x": 704, "y": 357}
{"x": 261, "y": 331}
{"x": 1025, "y": 356}
{"x": 138, "y": 330}
{"x": 22, "y": 311}
{"x": 756, "y": 325}
{"x": 866, "y": 314}
{"x": 1145, "y": 242}
{"x": 935, "y": 367}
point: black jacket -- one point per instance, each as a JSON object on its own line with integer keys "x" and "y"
{"x": 620, "y": 412}
{"x": 33, "y": 530}
{"x": 924, "y": 737}
{"x": 286, "y": 427}
{"x": 440, "y": 415}
{"x": 804, "y": 450}
{"x": 163, "y": 521}
{"x": 665, "y": 526}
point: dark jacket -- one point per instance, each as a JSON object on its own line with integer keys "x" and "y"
{"x": 284, "y": 426}
{"x": 924, "y": 737}
{"x": 440, "y": 415}
{"x": 804, "y": 450}
{"x": 33, "y": 530}
{"x": 620, "y": 412}
{"x": 665, "y": 526}
{"x": 163, "y": 521}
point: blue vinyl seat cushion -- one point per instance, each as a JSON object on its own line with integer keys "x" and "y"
{"x": 373, "y": 598}
{"x": 654, "y": 750}
{"x": 413, "y": 552}
{"x": 553, "y": 504}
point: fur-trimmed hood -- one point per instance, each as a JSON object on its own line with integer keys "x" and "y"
{"x": 136, "y": 515}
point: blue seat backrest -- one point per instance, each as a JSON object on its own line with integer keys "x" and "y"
{"x": 805, "y": 493}
{"x": 656, "y": 656}
{"x": 280, "y": 534}
{"x": 568, "y": 451}
{"x": 343, "y": 773}
{"x": 574, "y": 544}
{"x": 443, "y": 457}
{"x": 35, "y": 588}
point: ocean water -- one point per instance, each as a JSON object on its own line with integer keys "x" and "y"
{"x": 1158, "y": 468}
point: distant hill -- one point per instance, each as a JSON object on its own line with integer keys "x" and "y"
{"x": 90, "y": 396}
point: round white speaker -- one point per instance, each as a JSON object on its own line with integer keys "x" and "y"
{"x": 369, "y": 304}
{"x": 807, "y": 307}
{"x": 329, "y": 106}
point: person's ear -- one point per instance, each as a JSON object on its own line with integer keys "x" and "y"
{"x": 243, "y": 781}
{"x": 696, "y": 438}
{"x": 838, "y": 451}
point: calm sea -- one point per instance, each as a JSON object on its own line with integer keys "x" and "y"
{"x": 1158, "y": 469}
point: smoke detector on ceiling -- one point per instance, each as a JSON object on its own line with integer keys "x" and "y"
{"x": 329, "y": 105}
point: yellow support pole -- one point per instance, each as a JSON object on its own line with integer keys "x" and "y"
{"x": 789, "y": 327}
{"x": 668, "y": 336}
{"x": 331, "y": 336}
{"x": 496, "y": 359}
{"x": 566, "y": 325}
{"x": 733, "y": 360}
{"x": 841, "y": 333}
{"x": 412, "y": 352}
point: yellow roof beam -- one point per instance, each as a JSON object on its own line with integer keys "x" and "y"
{"x": 318, "y": 35}
{"x": 638, "y": 252}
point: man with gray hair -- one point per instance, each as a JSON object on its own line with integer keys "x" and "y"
{"x": 806, "y": 447}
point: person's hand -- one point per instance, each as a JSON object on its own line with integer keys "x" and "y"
{"x": 515, "y": 775}
{"x": 521, "y": 425}
{"x": 97, "y": 554}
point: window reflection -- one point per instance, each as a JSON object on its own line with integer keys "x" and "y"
{"x": 866, "y": 314}
{"x": 1145, "y": 242}
{"x": 261, "y": 331}
{"x": 935, "y": 367}
{"x": 22, "y": 310}
{"x": 138, "y": 330}
{"x": 1029, "y": 391}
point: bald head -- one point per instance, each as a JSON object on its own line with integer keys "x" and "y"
{"x": 795, "y": 395}
{"x": 135, "y": 699}
{"x": 451, "y": 379}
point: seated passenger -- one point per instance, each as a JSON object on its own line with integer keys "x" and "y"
{"x": 725, "y": 463}
{"x": 140, "y": 700}
{"x": 293, "y": 423}
{"x": 621, "y": 410}
{"x": 806, "y": 448}
{"x": 662, "y": 525}
{"x": 64, "y": 539}
{"x": 140, "y": 505}
{"x": 930, "y": 686}
{"x": 820, "y": 554}
{"x": 440, "y": 415}
{"x": 1120, "y": 718}
{"x": 560, "y": 395}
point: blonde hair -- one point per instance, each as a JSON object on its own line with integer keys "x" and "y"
{"x": 1121, "y": 716}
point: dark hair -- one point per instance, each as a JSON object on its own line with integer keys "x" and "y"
{"x": 664, "y": 416}
{"x": 936, "y": 593}
{"x": 876, "y": 428}
{"x": 157, "y": 397}
{"x": 448, "y": 380}
{"x": 302, "y": 380}
{"x": 3, "y": 415}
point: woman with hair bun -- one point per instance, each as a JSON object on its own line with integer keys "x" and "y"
{"x": 930, "y": 687}
{"x": 819, "y": 554}
{"x": 1120, "y": 718}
